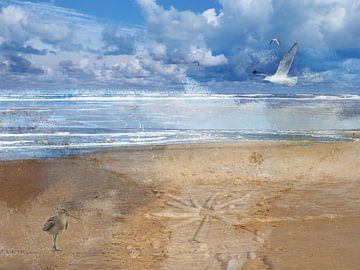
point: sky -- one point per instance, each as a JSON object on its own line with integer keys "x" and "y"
{"x": 131, "y": 44}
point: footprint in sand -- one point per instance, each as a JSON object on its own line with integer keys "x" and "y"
{"x": 234, "y": 261}
{"x": 256, "y": 158}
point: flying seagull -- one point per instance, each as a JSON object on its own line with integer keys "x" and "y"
{"x": 196, "y": 62}
{"x": 276, "y": 40}
{"x": 281, "y": 77}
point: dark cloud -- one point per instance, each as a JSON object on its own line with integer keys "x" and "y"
{"x": 13, "y": 47}
{"x": 71, "y": 70}
{"x": 117, "y": 42}
{"x": 20, "y": 65}
{"x": 68, "y": 66}
{"x": 348, "y": 53}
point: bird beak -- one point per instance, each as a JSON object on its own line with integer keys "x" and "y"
{"x": 74, "y": 217}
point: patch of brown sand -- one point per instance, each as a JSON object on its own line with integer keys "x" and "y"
{"x": 143, "y": 207}
{"x": 314, "y": 244}
{"x": 101, "y": 198}
{"x": 141, "y": 244}
{"x": 29, "y": 175}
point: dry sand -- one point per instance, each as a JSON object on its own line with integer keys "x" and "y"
{"x": 247, "y": 205}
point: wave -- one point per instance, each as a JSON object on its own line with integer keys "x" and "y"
{"x": 14, "y": 142}
{"x": 36, "y": 122}
{"x": 144, "y": 136}
{"x": 300, "y": 96}
{"x": 160, "y": 95}
{"x": 69, "y": 134}
{"x": 65, "y": 143}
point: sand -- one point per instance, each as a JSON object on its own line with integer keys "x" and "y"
{"x": 246, "y": 205}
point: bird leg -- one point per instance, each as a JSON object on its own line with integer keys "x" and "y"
{"x": 54, "y": 246}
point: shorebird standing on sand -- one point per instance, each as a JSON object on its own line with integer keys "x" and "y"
{"x": 57, "y": 224}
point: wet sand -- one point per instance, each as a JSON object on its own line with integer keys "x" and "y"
{"x": 246, "y": 205}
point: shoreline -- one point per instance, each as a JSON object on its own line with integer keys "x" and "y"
{"x": 350, "y": 135}
{"x": 142, "y": 207}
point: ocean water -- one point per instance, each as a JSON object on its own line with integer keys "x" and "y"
{"x": 40, "y": 125}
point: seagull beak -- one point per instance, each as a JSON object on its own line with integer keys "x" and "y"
{"x": 74, "y": 217}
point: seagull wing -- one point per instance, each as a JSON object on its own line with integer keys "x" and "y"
{"x": 286, "y": 62}
{"x": 49, "y": 224}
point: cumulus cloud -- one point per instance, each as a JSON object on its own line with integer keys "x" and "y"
{"x": 183, "y": 33}
{"x": 211, "y": 17}
{"x": 108, "y": 70}
{"x": 118, "y": 42}
{"x": 237, "y": 36}
{"x": 205, "y": 57}
{"x": 18, "y": 65}
{"x": 50, "y": 44}
{"x": 19, "y": 26}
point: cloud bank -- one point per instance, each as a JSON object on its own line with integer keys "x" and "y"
{"x": 43, "y": 45}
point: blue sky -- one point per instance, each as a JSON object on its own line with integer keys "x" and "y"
{"x": 128, "y": 11}
{"x": 152, "y": 44}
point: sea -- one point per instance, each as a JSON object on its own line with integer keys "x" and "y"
{"x": 46, "y": 124}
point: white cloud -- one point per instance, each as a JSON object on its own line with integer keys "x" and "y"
{"x": 20, "y": 26}
{"x": 205, "y": 57}
{"x": 108, "y": 70}
{"x": 13, "y": 15}
{"x": 211, "y": 17}
{"x": 61, "y": 45}
{"x": 183, "y": 33}
{"x": 309, "y": 76}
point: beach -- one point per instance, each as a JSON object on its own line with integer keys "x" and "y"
{"x": 246, "y": 205}
{"x": 179, "y": 135}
